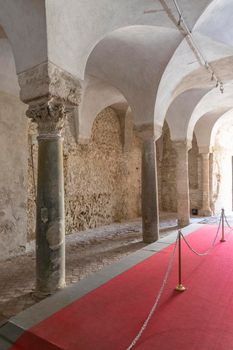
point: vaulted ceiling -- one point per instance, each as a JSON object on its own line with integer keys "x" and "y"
{"x": 127, "y": 51}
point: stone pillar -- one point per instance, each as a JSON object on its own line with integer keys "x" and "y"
{"x": 150, "y": 207}
{"x": 51, "y": 93}
{"x": 149, "y": 133}
{"x": 205, "y": 170}
{"x": 50, "y": 216}
{"x": 182, "y": 182}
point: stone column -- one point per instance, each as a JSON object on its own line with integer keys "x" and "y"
{"x": 150, "y": 207}
{"x": 205, "y": 166}
{"x": 50, "y": 217}
{"x": 182, "y": 182}
{"x": 149, "y": 133}
{"x": 48, "y": 90}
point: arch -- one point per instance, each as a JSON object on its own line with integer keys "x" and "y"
{"x": 97, "y": 95}
{"x": 218, "y": 52}
{"x": 24, "y": 22}
{"x": 140, "y": 58}
{"x": 204, "y": 129}
{"x": 8, "y": 76}
{"x": 222, "y": 10}
{"x": 180, "y": 111}
{"x": 175, "y": 81}
{"x": 221, "y": 118}
{"x": 212, "y": 101}
{"x": 73, "y": 21}
{"x": 191, "y": 105}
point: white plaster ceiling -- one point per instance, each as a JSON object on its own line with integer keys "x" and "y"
{"x": 24, "y": 22}
{"x": 97, "y": 95}
{"x": 217, "y": 22}
{"x": 205, "y": 126}
{"x": 212, "y": 101}
{"x": 223, "y": 123}
{"x": 134, "y": 60}
{"x": 2, "y": 33}
{"x": 133, "y": 55}
{"x": 85, "y": 23}
{"x": 66, "y": 32}
{"x": 192, "y": 105}
{"x": 180, "y": 112}
{"x": 184, "y": 72}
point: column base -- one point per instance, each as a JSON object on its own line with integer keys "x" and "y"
{"x": 151, "y": 236}
{"x": 205, "y": 212}
{"x": 183, "y": 222}
{"x": 149, "y": 240}
{"x": 38, "y": 294}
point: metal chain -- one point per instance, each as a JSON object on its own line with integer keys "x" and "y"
{"x": 209, "y": 249}
{"x": 135, "y": 340}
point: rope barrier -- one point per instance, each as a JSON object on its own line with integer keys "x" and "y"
{"x": 223, "y": 227}
{"x": 179, "y": 287}
{"x": 138, "y": 336}
{"x": 230, "y": 227}
{"x": 211, "y": 246}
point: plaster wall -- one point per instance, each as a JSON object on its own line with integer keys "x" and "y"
{"x": 13, "y": 176}
{"x": 222, "y": 167}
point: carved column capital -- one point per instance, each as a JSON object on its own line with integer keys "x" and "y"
{"x": 46, "y": 80}
{"x": 182, "y": 145}
{"x": 51, "y": 93}
{"x": 148, "y": 131}
{"x": 205, "y": 150}
{"x": 49, "y": 114}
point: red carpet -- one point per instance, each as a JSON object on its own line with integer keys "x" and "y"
{"x": 109, "y": 317}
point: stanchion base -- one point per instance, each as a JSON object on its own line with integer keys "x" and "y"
{"x": 180, "y": 288}
{"x": 222, "y": 240}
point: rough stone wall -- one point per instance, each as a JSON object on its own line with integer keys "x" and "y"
{"x": 102, "y": 184}
{"x": 166, "y": 160}
{"x": 13, "y": 176}
{"x": 102, "y": 181}
{"x": 195, "y": 187}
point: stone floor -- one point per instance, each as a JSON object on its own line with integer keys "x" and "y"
{"x": 85, "y": 254}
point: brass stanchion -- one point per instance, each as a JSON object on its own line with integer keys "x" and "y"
{"x": 180, "y": 287}
{"x": 223, "y": 233}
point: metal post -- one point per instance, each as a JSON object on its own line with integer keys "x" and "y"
{"x": 179, "y": 287}
{"x": 223, "y": 234}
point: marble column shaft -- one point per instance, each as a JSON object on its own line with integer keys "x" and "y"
{"x": 150, "y": 215}
{"x": 182, "y": 182}
{"x": 205, "y": 210}
{"x": 50, "y": 219}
